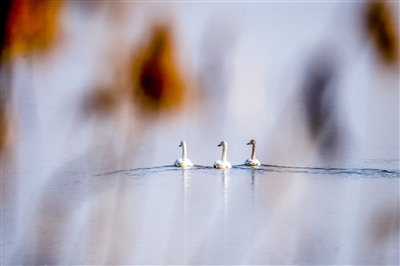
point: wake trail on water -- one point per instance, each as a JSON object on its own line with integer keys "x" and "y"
{"x": 335, "y": 171}
{"x": 266, "y": 168}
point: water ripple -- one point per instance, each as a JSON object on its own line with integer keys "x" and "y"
{"x": 267, "y": 168}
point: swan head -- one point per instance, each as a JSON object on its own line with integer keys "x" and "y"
{"x": 183, "y": 143}
{"x": 223, "y": 144}
{"x": 252, "y": 142}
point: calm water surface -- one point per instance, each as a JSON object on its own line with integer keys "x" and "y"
{"x": 166, "y": 215}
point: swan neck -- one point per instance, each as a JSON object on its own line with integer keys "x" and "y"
{"x": 184, "y": 155}
{"x": 253, "y": 152}
{"x": 223, "y": 157}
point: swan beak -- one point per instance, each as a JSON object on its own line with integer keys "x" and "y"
{"x": 180, "y": 145}
{"x": 219, "y": 145}
{"x": 248, "y": 143}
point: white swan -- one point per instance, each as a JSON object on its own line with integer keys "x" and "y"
{"x": 223, "y": 163}
{"x": 252, "y": 161}
{"x": 184, "y": 161}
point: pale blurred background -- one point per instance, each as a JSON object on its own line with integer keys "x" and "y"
{"x": 90, "y": 88}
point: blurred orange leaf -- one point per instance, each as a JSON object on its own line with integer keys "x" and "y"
{"x": 158, "y": 85}
{"x": 31, "y": 25}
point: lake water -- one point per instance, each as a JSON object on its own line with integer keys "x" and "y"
{"x": 167, "y": 215}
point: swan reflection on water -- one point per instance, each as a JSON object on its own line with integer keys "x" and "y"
{"x": 185, "y": 185}
{"x": 225, "y": 182}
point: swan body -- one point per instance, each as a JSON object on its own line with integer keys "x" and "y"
{"x": 184, "y": 161}
{"x": 252, "y": 161}
{"x": 223, "y": 163}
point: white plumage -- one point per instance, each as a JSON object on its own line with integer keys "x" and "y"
{"x": 223, "y": 163}
{"x": 252, "y": 161}
{"x": 184, "y": 161}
